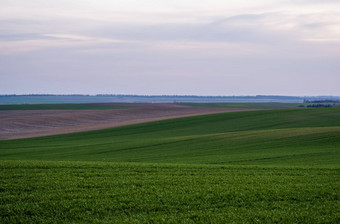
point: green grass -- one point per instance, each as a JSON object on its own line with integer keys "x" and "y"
{"x": 57, "y": 107}
{"x": 272, "y": 166}
{"x": 93, "y": 192}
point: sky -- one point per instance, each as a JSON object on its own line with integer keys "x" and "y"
{"x": 178, "y": 47}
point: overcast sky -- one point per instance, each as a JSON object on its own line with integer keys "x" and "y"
{"x": 201, "y": 47}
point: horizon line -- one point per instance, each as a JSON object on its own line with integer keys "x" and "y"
{"x": 166, "y": 95}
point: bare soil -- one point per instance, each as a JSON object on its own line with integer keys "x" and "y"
{"x": 33, "y": 123}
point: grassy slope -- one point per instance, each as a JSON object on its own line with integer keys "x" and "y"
{"x": 295, "y": 177}
{"x": 57, "y": 107}
{"x": 278, "y": 137}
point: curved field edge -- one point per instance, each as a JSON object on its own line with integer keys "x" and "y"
{"x": 309, "y": 137}
{"x": 103, "y": 192}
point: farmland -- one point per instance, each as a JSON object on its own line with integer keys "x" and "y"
{"x": 258, "y": 137}
{"x": 246, "y": 105}
{"x": 23, "y": 121}
{"x": 267, "y": 105}
{"x": 59, "y": 107}
{"x": 269, "y": 166}
{"x": 78, "y": 192}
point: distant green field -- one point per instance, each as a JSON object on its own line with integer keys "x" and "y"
{"x": 57, "y": 107}
{"x": 247, "y": 105}
{"x": 270, "y": 166}
{"x": 261, "y": 105}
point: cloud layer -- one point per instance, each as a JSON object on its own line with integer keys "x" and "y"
{"x": 182, "y": 47}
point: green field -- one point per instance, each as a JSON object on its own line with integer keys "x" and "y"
{"x": 261, "y": 105}
{"x": 272, "y": 166}
{"x": 65, "y": 106}
{"x": 277, "y": 137}
{"x": 247, "y": 105}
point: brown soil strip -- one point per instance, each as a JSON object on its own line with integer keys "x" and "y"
{"x": 33, "y": 123}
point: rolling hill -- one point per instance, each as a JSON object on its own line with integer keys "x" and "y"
{"x": 279, "y": 137}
